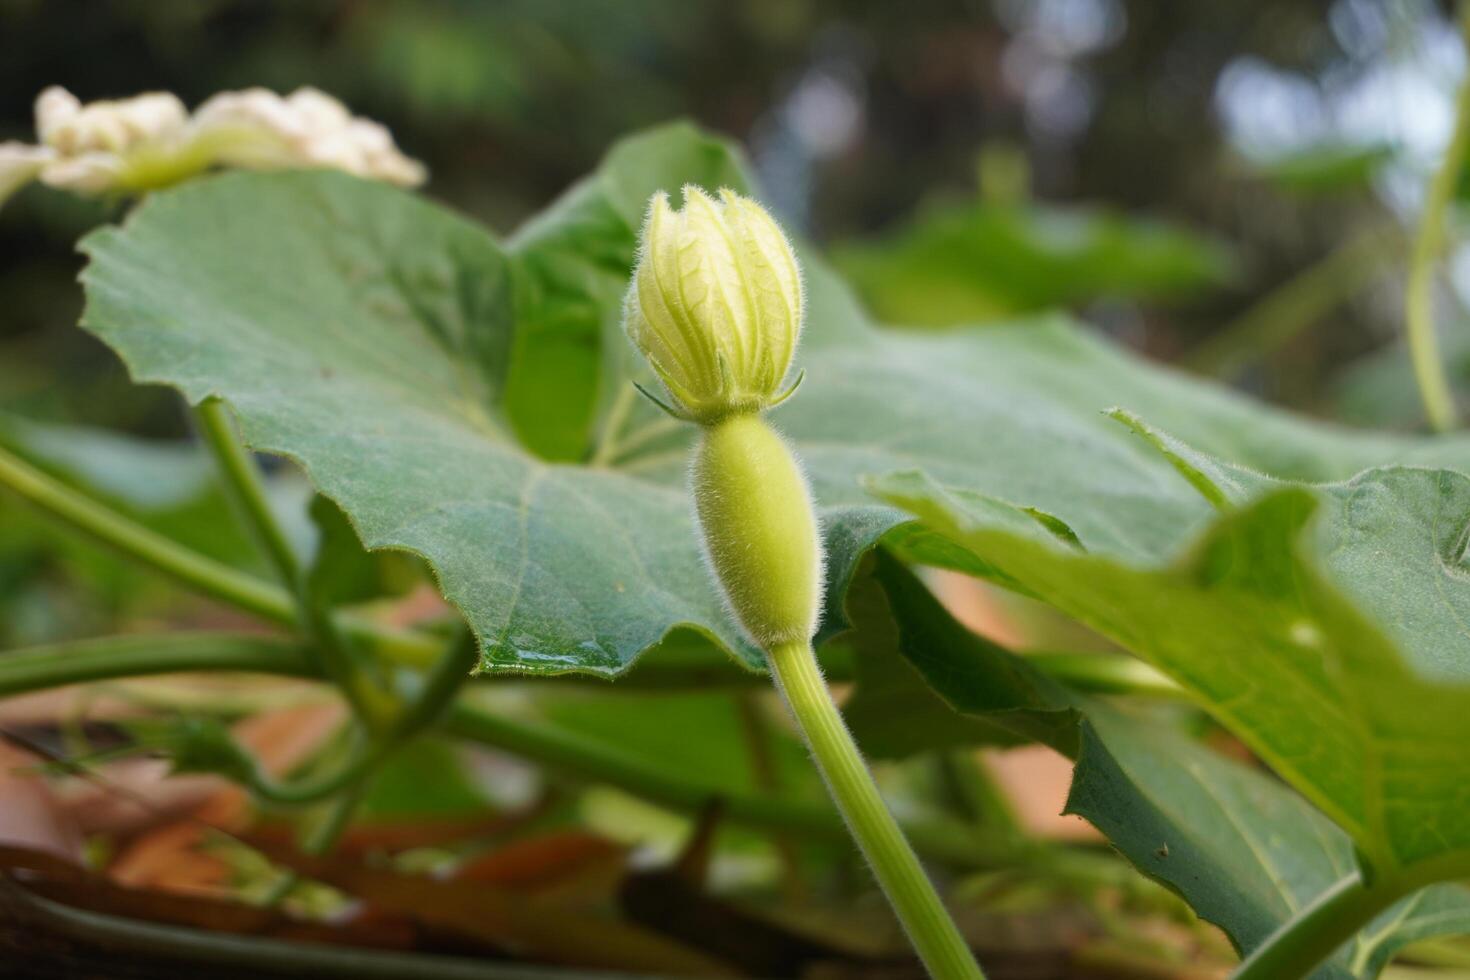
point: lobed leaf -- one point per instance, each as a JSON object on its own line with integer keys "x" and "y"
{"x": 1240, "y": 847}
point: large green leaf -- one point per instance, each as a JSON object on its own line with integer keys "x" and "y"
{"x": 1240, "y": 847}
{"x": 901, "y": 636}
{"x": 1242, "y": 850}
{"x": 1369, "y": 731}
{"x": 365, "y": 333}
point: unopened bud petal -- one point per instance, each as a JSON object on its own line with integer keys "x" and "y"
{"x": 715, "y": 304}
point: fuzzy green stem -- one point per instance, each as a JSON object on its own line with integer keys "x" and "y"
{"x": 944, "y": 951}
{"x": 202, "y": 574}
{"x": 1315, "y": 932}
{"x": 1429, "y": 369}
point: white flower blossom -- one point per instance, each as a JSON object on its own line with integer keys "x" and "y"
{"x": 19, "y": 165}
{"x": 72, "y": 129}
{"x": 307, "y": 128}
{"x": 151, "y": 141}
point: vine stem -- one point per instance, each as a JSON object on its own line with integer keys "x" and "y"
{"x": 204, "y": 575}
{"x": 417, "y": 711}
{"x": 1429, "y": 370}
{"x": 944, "y": 951}
{"x": 111, "y": 658}
{"x": 243, "y": 479}
{"x": 372, "y": 705}
{"x": 114, "y": 657}
{"x": 1315, "y": 932}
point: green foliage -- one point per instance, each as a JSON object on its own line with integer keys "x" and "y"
{"x": 363, "y": 333}
{"x": 195, "y": 744}
{"x": 962, "y": 264}
{"x": 342, "y": 572}
{"x": 1243, "y": 850}
{"x": 1327, "y": 168}
{"x": 1280, "y": 656}
{"x": 428, "y": 777}
{"x": 468, "y": 401}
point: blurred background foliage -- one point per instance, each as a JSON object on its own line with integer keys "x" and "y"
{"x": 1222, "y": 184}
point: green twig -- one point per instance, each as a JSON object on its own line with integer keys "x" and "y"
{"x": 320, "y": 839}
{"x": 363, "y": 762}
{"x": 419, "y": 710}
{"x": 1429, "y": 371}
{"x": 203, "y": 574}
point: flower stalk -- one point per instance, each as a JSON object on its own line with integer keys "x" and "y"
{"x": 716, "y": 307}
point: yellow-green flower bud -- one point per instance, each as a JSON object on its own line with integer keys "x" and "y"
{"x": 715, "y": 303}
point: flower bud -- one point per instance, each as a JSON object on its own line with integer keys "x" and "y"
{"x": 715, "y": 303}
